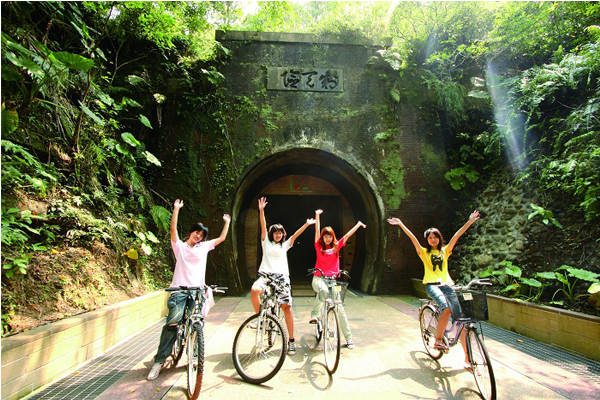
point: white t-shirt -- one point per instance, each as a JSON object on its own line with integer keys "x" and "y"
{"x": 274, "y": 257}
{"x": 190, "y": 268}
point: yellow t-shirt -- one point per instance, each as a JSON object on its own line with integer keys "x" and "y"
{"x": 436, "y": 265}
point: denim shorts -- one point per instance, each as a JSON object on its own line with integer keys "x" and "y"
{"x": 444, "y": 296}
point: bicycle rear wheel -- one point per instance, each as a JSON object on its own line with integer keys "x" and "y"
{"x": 482, "y": 369}
{"x": 259, "y": 348}
{"x": 428, "y": 320}
{"x": 195, "y": 369}
{"x": 177, "y": 350}
{"x": 331, "y": 341}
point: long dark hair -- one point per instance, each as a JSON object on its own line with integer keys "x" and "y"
{"x": 437, "y": 233}
{"x": 277, "y": 228}
{"x": 328, "y": 231}
{"x": 198, "y": 226}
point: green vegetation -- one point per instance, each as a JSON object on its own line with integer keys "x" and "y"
{"x": 568, "y": 283}
{"x": 109, "y": 109}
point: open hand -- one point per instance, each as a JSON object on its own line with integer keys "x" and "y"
{"x": 262, "y": 203}
{"x": 311, "y": 221}
{"x": 178, "y": 204}
{"x": 318, "y": 212}
{"x": 394, "y": 221}
{"x": 474, "y": 216}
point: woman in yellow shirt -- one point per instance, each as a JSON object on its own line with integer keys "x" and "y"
{"x": 437, "y": 279}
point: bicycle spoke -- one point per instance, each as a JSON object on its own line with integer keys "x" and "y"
{"x": 480, "y": 361}
{"x": 258, "y": 354}
{"x": 195, "y": 368}
{"x": 331, "y": 341}
{"x": 428, "y": 319}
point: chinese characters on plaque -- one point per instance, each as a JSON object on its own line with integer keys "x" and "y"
{"x": 305, "y": 79}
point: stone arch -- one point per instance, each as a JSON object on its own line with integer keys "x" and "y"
{"x": 355, "y": 186}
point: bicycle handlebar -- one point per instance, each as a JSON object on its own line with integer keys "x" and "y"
{"x": 215, "y": 288}
{"x": 341, "y": 272}
{"x": 483, "y": 282}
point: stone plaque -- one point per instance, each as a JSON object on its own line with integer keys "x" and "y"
{"x": 305, "y": 79}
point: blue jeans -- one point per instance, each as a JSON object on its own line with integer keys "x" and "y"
{"x": 176, "y": 305}
{"x": 444, "y": 296}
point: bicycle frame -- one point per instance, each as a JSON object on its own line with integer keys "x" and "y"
{"x": 480, "y": 365}
{"x": 261, "y": 343}
{"x": 457, "y": 325}
{"x": 190, "y": 334}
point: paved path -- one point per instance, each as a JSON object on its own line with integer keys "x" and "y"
{"x": 388, "y": 362}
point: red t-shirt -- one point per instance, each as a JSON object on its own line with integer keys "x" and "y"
{"x": 328, "y": 261}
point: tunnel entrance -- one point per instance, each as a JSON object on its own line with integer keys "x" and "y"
{"x": 295, "y": 183}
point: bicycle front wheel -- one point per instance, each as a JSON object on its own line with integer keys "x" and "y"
{"x": 177, "y": 350}
{"x": 331, "y": 341}
{"x": 195, "y": 369}
{"x": 482, "y": 369}
{"x": 259, "y": 348}
{"x": 428, "y": 320}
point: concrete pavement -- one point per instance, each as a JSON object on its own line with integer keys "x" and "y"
{"x": 389, "y": 361}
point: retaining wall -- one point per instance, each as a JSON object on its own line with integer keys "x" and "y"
{"x": 34, "y": 358}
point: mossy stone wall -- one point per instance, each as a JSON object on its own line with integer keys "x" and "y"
{"x": 398, "y": 152}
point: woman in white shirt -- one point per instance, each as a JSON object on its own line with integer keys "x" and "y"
{"x": 274, "y": 262}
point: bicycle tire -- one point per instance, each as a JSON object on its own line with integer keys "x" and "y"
{"x": 195, "y": 368}
{"x": 258, "y": 353}
{"x": 480, "y": 361}
{"x": 331, "y": 341}
{"x": 428, "y": 321}
{"x": 177, "y": 350}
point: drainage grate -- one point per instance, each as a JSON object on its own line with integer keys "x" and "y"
{"x": 99, "y": 374}
{"x": 588, "y": 369}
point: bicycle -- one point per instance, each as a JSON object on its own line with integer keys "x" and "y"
{"x": 474, "y": 309}
{"x": 328, "y": 322}
{"x": 190, "y": 331}
{"x": 261, "y": 343}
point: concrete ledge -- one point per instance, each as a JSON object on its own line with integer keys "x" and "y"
{"x": 32, "y": 359}
{"x": 570, "y": 330}
{"x": 576, "y": 332}
{"x": 295, "y": 38}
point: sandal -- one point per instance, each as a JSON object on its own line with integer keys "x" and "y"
{"x": 440, "y": 346}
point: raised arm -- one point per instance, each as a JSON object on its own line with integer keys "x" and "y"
{"x": 223, "y": 235}
{"x": 411, "y": 236}
{"x": 176, "y": 207}
{"x": 308, "y": 222}
{"x": 262, "y": 203}
{"x": 318, "y": 224}
{"x": 353, "y": 230}
{"x": 472, "y": 218}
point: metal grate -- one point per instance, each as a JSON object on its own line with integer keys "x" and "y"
{"x": 99, "y": 374}
{"x": 588, "y": 369}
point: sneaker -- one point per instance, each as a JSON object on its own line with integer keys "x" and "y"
{"x": 350, "y": 344}
{"x": 313, "y": 320}
{"x": 253, "y": 324}
{"x": 153, "y": 374}
{"x": 292, "y": 348}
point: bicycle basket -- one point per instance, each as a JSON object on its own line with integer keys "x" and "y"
{"x": 341, "y": 288}
{"x": 473, "y": 304}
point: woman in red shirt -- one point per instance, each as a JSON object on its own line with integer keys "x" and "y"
{"x": 328, "y": 261}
